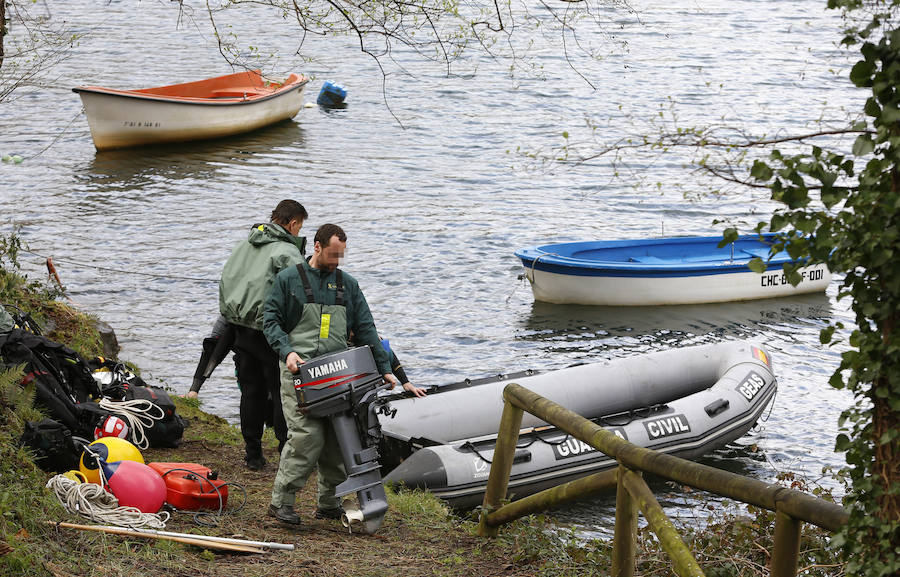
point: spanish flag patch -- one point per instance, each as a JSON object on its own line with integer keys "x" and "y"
{"x": 761, "y": 355}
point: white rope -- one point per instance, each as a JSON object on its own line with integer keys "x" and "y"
{"x": 137, "y": 414}
{"x": 94, "y": 502}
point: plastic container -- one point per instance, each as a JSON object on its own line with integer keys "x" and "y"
{"x": 191, "y": 486}
{"x": 331, "y": 95}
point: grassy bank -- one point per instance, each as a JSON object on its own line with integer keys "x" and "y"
{"x": 419, "y": 535}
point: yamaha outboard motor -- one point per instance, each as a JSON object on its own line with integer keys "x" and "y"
{"x": 343, "y": 387}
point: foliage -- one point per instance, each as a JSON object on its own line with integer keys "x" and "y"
{"x": 736, "y": 543}
{"x": 21, "y": 506}
{"x": 848, "y": 216}
{"x": 441, "y": 31}
{"x": 449, "y": 36}
{"x": 724, "y": 543}
{"x": 13, "y": 283}
{"x": 31, "y": 43}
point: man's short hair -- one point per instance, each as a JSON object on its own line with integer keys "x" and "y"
{"x": 288, "y": 210}
{"x": 326, "y": 231}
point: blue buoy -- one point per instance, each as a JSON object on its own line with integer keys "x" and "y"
{"x": 332, "y": 95}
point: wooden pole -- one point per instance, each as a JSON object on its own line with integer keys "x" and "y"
{"x": 682, "y": 559}
{"x": 204, "y": 543}
{"x": 576, "y": 490}
{"x": 625, "y": 539}
{"x": 501, "y": 465}
{"x": 2, "y": 28}
{"x": 798, "y": 505}
{"x": 264, "y": 544}
{"x": 787, "y": 545}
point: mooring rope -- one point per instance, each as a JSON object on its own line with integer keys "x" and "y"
{"x": 121, "y": 271}
{"x": 534, "y": 264}
{"x": 58, "y": 136}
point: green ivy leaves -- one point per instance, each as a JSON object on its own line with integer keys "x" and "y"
{"x": 850, "y": 221}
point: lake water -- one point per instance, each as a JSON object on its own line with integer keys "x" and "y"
{"x": 433, "y": 195}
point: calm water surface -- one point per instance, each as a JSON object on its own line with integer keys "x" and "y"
{"x": 434, "y": 204}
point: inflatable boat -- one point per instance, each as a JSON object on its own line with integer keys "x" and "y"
{"x": 686, "y": 402}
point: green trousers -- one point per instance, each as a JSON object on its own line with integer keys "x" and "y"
{"x": 310, "y": 443}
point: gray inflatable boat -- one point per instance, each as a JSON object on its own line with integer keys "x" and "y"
{"x": 687, "y": 402}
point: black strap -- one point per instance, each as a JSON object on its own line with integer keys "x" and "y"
{"x": 307, "y": 288}
{"x": 310, "y": 298}
{"x": 339, "y": 279}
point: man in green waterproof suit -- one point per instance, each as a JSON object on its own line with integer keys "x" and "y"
{"x": 246, "y": 279}
{"x": 309, "y": 312}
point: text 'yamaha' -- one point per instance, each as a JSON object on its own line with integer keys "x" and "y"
{"x": 328, "y": 368}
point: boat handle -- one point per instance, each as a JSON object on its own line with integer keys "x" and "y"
{"x": 716, "y": 407}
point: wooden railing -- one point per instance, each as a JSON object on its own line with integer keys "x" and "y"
{"x": 792, "y": 508}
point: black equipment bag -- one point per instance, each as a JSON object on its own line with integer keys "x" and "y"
{"x": 62, "y": 380}
{"x": 166, "y": 432}
{"x": 52, "y": 445}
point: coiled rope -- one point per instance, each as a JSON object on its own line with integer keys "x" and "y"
{"x": 139, "y": 414}
{"x": 94, "y": 502}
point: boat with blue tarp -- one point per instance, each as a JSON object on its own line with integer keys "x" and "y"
{"x": 664, "y": 271}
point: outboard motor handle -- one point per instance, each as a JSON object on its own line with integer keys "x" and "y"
{"x": 343, "y": 387}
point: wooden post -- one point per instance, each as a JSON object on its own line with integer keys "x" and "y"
{"x": 683, "y": 561}
{"x": 501, "y": 465}
{"x": 128, "y": 532}
{"x": 578, "y": 489}
{"x": 787, "y": 545}
{"x": 791, "y": 507}
{"x": 625, "y": 540}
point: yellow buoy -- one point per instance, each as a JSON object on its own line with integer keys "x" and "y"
{"x": 76, "y": 476}
{"x": 109, "y": 449}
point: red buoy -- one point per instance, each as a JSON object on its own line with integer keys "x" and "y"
{"x": 135, "y": 485}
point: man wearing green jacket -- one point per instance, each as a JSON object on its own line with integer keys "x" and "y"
{"x": 309, "y": 312}
{"x": 246, "y": 280}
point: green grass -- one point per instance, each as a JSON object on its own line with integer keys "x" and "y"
{"x": 22, "y": 502}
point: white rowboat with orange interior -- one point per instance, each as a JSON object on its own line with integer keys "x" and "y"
{"x": 210, "y": 108}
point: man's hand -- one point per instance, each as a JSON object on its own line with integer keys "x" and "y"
{"x": 392, "y": 380}
{"x": 192, "y": 395}
{"x": 293, "y": 362}
{"x": 417, "y": 391}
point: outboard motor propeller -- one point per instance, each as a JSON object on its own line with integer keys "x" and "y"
{"x": 343, "y": 387}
